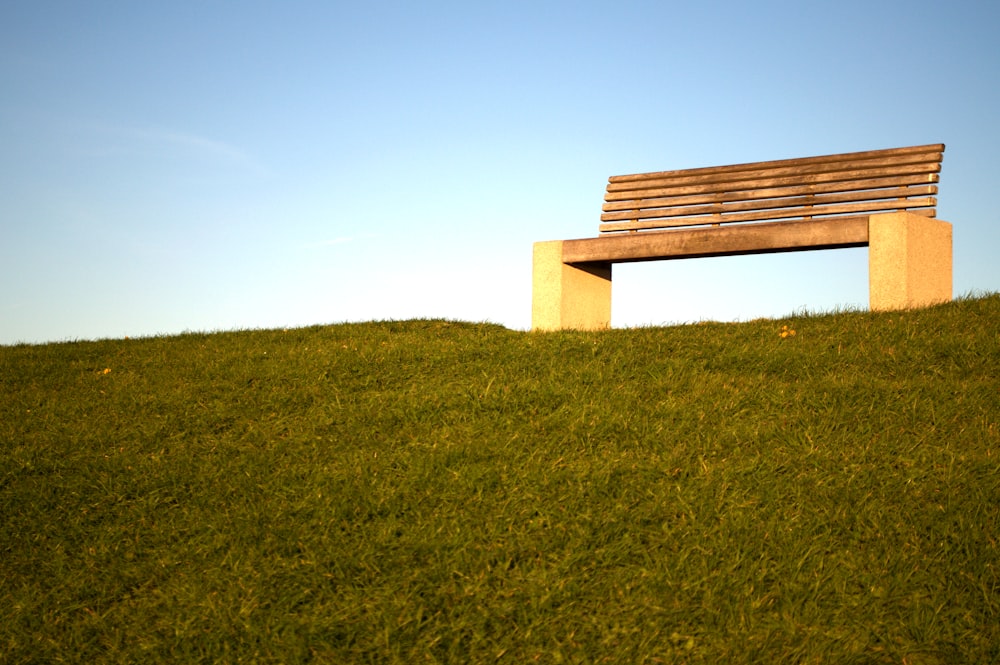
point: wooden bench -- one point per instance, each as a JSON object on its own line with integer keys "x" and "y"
{"x": 883, "y": 199}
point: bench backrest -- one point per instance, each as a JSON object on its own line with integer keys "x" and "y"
{"x": 845, "y": 185}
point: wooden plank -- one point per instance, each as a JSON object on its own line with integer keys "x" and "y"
{"x": 828, "y": 187}
{"x": 757, "y": 179}
{"x": 771, "y": 192}
{"x": 799, "y": 161}
{"x": 723, "y": 241}
{"x": 743, "y": 219}
{"x": 913, "y": 165}
{"x": 695, "y": 205}
{"x": 679, "y": 188}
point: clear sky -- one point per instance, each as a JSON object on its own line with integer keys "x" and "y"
{"x": 196, "y": 166}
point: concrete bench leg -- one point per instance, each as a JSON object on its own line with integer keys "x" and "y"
{"x": 565, "y": 296}
{"x": 909, "y": 261}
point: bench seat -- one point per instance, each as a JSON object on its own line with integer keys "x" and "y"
{"x": 727, "y": 241}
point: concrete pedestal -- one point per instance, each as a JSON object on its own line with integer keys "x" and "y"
{"x": 909, "y": 261}
{"x": 568, "y": 296}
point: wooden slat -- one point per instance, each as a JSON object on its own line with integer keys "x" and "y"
{"x": 661, "y": 187}
{"x": 692, "y": 198}
{"x": 700, "y": 205}
{"x": 804, "y": 172}
{"x": 801, "y": 162}
{"x": 824, "y": 187}
{"x": 797, "y": 213}
{"x": 725, "y": 241}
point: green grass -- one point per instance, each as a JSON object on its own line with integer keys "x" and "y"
{"x": 434, "y": 491}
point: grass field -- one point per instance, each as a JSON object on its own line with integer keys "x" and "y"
{"x": 815, "y": 489}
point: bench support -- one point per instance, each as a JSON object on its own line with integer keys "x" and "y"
{"x": 566, "y": 296}
{"x": 909, "y": 262}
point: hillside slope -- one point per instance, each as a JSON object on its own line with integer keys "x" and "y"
{"x": 819, "y": 488}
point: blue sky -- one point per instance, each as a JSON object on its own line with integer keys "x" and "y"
{"x": 211, "y": 165}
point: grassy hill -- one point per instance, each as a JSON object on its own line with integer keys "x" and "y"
{"x": 814, "y": 489}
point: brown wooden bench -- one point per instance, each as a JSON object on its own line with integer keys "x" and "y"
{"x": 883, "y": 199}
